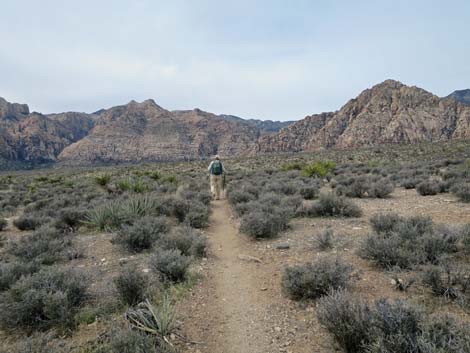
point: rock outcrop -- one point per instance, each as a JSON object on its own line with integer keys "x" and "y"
{"x": 34, "y": 138}
{"x": 462, "y": 96}
{"x": 388, "y": 113}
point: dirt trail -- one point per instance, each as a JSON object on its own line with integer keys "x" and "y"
{"x": 237, "y": 291}
{"x": 238, "y": 306}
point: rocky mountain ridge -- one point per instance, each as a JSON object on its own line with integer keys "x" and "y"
{"x": 387, "y": 113}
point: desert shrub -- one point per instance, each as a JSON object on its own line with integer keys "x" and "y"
{"x": 170, "y": 265}
{"x": 198, "y": 215}
{"x": 28, "y": 222}
{"x": 387, "y": 327}
{"x": 316, "y": 279}
{"x": 428, "y": 187}
{"x": 462, "y": 191}
{"x": 330, "y": 204}
{"x": 309, "y": 191}
{"x": 45, "y": 299}
{"x": 3, "y": 224}
{"x": 406, "y": 242}
{"x": 318, "y": 168}
{"x": 131, "y": 341}
{"x": 389, "y": 252}
{"x": 361, "y": 186}
{"x": 143, "y": 234}
{"x": 465, "y": 237}
{"x": 292, "y": 166}
{"x": 347, "y": 318}
{"x": 13, "y": 271}
{"x": 325, "y": 239}
{"x": 410, "y": 183}
{"x": 131, "y": 286}
{"x": 185, "y": 239}
{"x": 70, "y": 218}
{"x": 451, "y": 282}
{"x": 444, "y": 335}
{"x": 385, "y": 222}
{"x": 39, "y": 343}
{"x": 46, "y": 246}
{"x": 239, "y": 196}
{"x": 264, "y": 223}
{"x": 381, "y": 188}
{"x": 103, "y": 179}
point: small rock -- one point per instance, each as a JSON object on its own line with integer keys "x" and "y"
{"x": 264, "y": 288}
{"x": 123, "y": 260}
{"x": 146, "y": 270}
{"x": 282, "y": 246}
{"x": 248, "y": 258}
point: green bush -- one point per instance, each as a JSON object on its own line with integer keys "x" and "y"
{"x": 103, "y": 179}
{"x": 316, "y": 279}
{"x": 318, "y": 168}
{"x": 45, "y": 299}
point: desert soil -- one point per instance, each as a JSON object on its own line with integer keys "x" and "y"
{"x": 238, "y": 305}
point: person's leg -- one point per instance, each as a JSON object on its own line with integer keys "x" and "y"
{"x": 220, "y": 186}
{"x": 212, "y": 182}
{"x": 217, "y": 185}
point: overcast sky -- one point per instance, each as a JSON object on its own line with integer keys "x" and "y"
{"x": 267, "y": 59}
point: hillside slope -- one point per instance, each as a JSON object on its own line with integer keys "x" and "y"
{"x": 388, "y": 113}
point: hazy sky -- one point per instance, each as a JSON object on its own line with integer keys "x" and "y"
{"x": 262, "y": 59}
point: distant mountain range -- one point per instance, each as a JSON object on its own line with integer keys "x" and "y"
{"x": 389, "y": 112}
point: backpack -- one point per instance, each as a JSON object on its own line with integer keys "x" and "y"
{"x": 216, "y": 168}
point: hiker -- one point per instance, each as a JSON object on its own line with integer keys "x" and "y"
{"x": 216, "y": 170}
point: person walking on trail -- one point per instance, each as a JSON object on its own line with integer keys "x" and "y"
{"x": 216, "y": 171}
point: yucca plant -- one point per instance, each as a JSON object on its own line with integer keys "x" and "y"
{"x": 152, "y": 319}
{"x": 105, "y": 217}
{"x": 103, "y": 179}
{"x": 137, "y": 206}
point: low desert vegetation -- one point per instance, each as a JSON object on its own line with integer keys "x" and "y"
{"x": 408, "y": 242}
{"x": 314, "y": 280}
{"x": 389, "y": 326}
{"x": 116, "y": 246}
